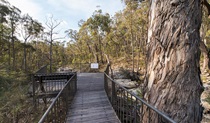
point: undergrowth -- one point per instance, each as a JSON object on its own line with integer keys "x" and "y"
{"x": 15, "y": 105}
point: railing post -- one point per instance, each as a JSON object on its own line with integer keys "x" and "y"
{"x": 135, "y": 111}
{"x": 80, "y": 67}
{"x": 68, "y": 93}
{"x": 75, "y": 83}
{"x": 33, "y": 90}
{"x": 127, "y": 107}
{"x": 113, "y": 94}
{"x": 105, "y": 84}
{"x": 131, "y": 108}
{"x": 106, "y": 79}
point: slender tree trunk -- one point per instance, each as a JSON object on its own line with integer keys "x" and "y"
{"x": 132, "y": 45}
{"x": 30, "y": 59}
{"x": 13, "y": 49}
{"x": 100, "y": 49}
{"x": 139, "y": 53}
{"x": 90, "y": 51}
{"x": 51, "y": 56}
{"x": 173, "y": 83}
{"x": 132, "y": 40}
{"x": 51, "y": 25}
{"x": 24, "y": 57}
{"x": 13, "y": 55}
{"x": 9, "y": 54}
{"x": 96, "y": 54}
{"x": 126, "y": 49}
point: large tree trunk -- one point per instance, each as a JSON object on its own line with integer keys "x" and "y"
{"x": 173, "y": 83}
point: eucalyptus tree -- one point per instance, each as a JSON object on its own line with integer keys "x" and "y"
{"x": 173, "y": 83}
{"x": 130, "y": 30}
{"x": 99, "y": 25}
{"x": 14, "y": 17}
{"x": 8, "y": 21}
{"x": 117, "y": 36}
{"x": 90, "y": 41}
{"x": 51, "y": 25}
{"x": 141, "y": 20}
{"x": 29, "y": 29}
{"x": 75, "y": 45}
{"x": 131, "y": 7}
{"x": 88, "y": 44}
{"x": 4, "y": 12}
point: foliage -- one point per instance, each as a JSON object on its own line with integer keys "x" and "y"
{"x": 13, "y": 94}
{"x": 101, "y": 38}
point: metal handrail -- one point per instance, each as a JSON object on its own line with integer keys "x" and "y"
{"x": 125, "y": 100}
{"x": 43, "y": 69}
{"x": 55, "y": 112}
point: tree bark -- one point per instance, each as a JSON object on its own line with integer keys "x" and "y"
{"x": 173, "y": 83}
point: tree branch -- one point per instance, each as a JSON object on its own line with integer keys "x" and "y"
{"x": 205, "y": 2}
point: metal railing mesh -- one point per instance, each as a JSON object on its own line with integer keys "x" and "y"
{"x": 129, "y": 107}
{"x": 57, "y": 111}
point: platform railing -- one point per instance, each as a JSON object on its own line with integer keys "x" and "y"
{"x": 129, "y": 107}
{"x": 47, "y": 86}
{"x": 57, "y": 111}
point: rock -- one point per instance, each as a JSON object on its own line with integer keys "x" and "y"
{"x": 64, "y": 70}
{"x": 205, "y": 105}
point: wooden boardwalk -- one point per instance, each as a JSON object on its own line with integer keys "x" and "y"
{"x": 90, "y": 104}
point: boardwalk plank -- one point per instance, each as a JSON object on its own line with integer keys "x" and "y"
{"x": 91, "y": 104}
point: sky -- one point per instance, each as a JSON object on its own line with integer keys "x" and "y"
{"x": 69, "y": 12}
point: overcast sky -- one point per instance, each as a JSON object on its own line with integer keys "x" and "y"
{"x": 68, "y": 11}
